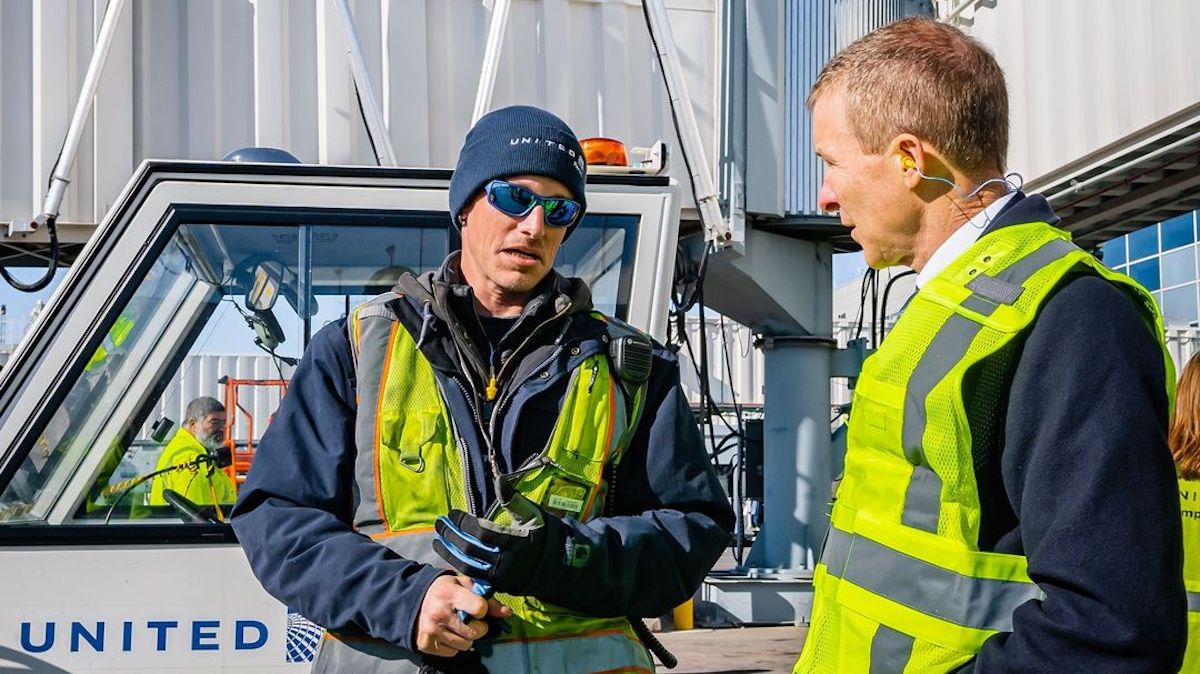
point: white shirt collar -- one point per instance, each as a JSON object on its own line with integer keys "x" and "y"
{"x": 962, "y": 239}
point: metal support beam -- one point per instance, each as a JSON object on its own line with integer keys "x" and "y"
{"x": 1093, "y": 226}
{"x": 699, "y": 169}
{"x": 381, "y": 142}
{"x": 60, "y": 176}
{"x": 797, "y": 461}
{"x": 491, "y": 59}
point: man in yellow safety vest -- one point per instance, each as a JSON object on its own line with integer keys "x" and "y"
{"x": 199, "y": 480}
{"x": 484, "y": 418}
{"x": 1009, "y": 501}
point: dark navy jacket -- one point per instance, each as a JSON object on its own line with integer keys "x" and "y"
{"x": 1080, "y": 480}
{"x": 670, "y": 519}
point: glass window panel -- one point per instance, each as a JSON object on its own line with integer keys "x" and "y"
{"x": 1179, "y": 305}
{"x": 194, "y": 327}
{"x": 1143, "y": 242}
{"x": 600, "y": 252}
{"x": 1178, "y": 231}
{"x": 1114, "y": 252}
{"x": 1146, "y": 273}
{"x": 1179, "y": 267}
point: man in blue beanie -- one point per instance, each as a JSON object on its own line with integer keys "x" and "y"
{"x": 478, "y": 471}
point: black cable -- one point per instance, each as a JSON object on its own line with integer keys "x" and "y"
{"x": 707, "y": 395}
{"x": 862, "y": 302}
{"x": 689, "y": 275}
{"x": 737, "y": 409}
{"x": 651, "y": 642}
{"x": 874, "y": 309}
{"x": 362, "y": 113}
{"x": 739, "y": 454}
{"x": 705, "y": 391}
{"x": 51, "y": 267}
{"x": 194, "y": 463}
{"x": 52, "y": 227}
{"x": 250, "y": 320}
{"x": 722, "y": 446}
{"x": 674, "y": 118}
{"x": 888, "y": 289}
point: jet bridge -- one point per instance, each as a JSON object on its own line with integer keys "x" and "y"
{"x": 210, "y": 257}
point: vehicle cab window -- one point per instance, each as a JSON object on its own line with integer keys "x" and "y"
{"x": 221, "y": 315}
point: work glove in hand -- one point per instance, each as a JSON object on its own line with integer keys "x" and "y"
{"x": 506, "y": 556}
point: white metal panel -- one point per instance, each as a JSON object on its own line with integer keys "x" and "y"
{"x": 1183, "y": 343}
{"x": 746, "y": 377}
{"x": 195, "y": 79}
{"x": 199, "y": 375}
{"x": 735, "y": 366}
{"x": 113, "y": 149}
{"x": 16, "y": 111}
{"x": 1083, "y": 74}
{"x": 142, "y": 606}
{"x": 816, "y": 30}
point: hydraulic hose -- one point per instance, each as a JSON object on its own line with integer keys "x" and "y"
{"x": 667, "y": 658}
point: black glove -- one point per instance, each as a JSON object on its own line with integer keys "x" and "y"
{"x": 504, "y": 556}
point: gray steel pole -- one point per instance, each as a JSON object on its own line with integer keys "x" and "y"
{"x": 797, "y": 456}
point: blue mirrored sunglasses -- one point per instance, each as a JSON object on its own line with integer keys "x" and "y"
{"x": 518, "y": 201}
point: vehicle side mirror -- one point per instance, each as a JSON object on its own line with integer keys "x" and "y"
{"x": 268, "y": 278}
{"x": 160, "y": 429}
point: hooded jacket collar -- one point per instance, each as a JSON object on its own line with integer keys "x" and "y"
{"x": 444, "y": 295}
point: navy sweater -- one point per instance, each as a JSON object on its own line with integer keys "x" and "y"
{"x": 1083, "y": 484}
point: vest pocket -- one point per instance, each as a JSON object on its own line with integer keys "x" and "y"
{"x": 574, "y": 492}
{"x": 410, "y": 472}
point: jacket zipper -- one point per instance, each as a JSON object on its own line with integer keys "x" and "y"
{"x": 538, "y": 457}
{"x": 508, "y": 390}
{"x": 463, "y": 449}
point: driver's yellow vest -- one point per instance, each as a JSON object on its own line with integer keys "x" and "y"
{"x": 1189, "y": 502}
{"x": 902, "y": 585}
{"x": 412, "y": 466}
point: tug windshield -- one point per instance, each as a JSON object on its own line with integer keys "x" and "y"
{"x": 224, "y": 312}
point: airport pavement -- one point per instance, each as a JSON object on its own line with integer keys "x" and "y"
{"x": 734, "y": 650}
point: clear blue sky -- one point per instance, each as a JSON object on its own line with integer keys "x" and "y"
{"x": 846, "y": 266}
{"x": 19, "y": 304}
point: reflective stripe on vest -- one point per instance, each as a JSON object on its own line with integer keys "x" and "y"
{"x": 902, "y": 583}
{"x": 981, "y": 603}
{"x": 412, "y": 467}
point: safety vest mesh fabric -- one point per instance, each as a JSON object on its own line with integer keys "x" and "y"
{"x": 410, "y": 469}
{"x": 902, "y": 585}
{"x": 1189, "y": 501}
{"x": 113, "y": 340}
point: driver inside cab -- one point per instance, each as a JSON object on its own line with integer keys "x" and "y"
{"x": 196, "y": 478}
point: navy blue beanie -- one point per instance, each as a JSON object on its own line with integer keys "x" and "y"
{"x": 513, "y": 141}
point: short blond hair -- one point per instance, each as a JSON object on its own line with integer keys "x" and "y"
{"x": 927, "y": 78}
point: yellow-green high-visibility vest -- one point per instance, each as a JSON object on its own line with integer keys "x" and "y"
{"x": 902, "y": 585}
{"x": 113, "y": 340}
{"x": 411, "y": 468}
{"x": 202, "y": 484}
{"x": 1189, "y": 502}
